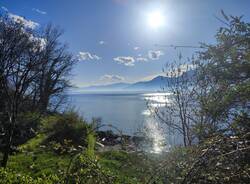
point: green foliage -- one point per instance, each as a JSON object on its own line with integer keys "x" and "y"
{"x": 39, "y": 162}
{"x": 27, "y": 125}
{"x": 57, "y": 153}
{"x": 224, "y": 72}
{"x": 33, "y": 143}
{"x": 29, "y": 119}
{"x": 114, "y": 167}
{"x": 59, "y": 122}
{"x": 87, "y": 170}
{"x": 91, "y": 139}
{"x": 173, "y": 166}
{"x": 129, "y": 167}
{"x": 218, "y": 160}
{"x": 121, "y": 156}
{"x": 8, "y": 176}
{"x": 67, "y": 132}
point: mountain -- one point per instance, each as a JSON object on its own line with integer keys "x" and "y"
{"x": 116, "y": 86}
{"x": 155, "y": 84}
{"x": 151, "y": 85}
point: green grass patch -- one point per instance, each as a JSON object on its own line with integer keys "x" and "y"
{"x": 33, "y": 143}
{"x": 132, "y": 166}
{"x": 39, "y": 163}
{"x": 36, "y": 160}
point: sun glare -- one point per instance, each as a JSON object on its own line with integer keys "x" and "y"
{"x": 155, "y": 19}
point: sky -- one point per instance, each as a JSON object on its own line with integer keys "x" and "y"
{"x": 123, "y": 40}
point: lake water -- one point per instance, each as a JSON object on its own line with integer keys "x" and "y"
{"x": 126, "y": 111}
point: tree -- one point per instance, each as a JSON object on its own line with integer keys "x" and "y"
{"x": 34, "y": 71}
{"x": 18, "y": 66}
{"x": 223, "y": 74}
{"x": 220, "y": 117}
{"x": 56, "y": 64}
{"x": 178, "y": 112}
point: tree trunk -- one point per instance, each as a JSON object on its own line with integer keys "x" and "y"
{"x": 43, "y": 103}
{"x": 5, "y": 156}
{"x": 184, "y": 135}
{"x": 7, "y": 148}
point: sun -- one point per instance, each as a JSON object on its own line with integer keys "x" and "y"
{"x": 155, "y": 19}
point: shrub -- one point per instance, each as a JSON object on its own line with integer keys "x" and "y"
{"x": 87, "y": 169}
{"x": 66, "y": 132}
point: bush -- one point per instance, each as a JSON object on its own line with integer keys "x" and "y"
{"x": 86, "y": 169}
{"x": 66, "y": 132}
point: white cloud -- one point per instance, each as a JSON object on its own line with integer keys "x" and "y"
{"x": 39, "y": 11}
{"x": 27, "y": 23}
{"x": 5, "y": 9}
{"x": 155, "y": 54}
{"x": 152, "y": 76}
{"x": 126, "y": 60}
{"x": 111, "y": 78}
{"x": 141, "y": 59}
{"x": 136, "y": 48}
{"x": 83, "y": 56}
{"x": 102, "y": 42}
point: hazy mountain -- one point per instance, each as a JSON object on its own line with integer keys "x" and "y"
{"x": 152, "y": 85}
{"x": 116, "y": 86}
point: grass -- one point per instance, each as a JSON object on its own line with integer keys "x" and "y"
{"x": 133, "y": 165}
{"x": 34, "y": 159}
{"x": 38, "y": 163}
{"x": 38, "y": 158}
{"x": 34, "y": 143}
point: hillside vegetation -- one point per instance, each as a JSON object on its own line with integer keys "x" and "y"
{"x": 41, "y": 143}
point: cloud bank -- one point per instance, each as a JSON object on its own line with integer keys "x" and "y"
{"x": 126, "y": 60}
{"x": 130, "y": 61}
{"x": 87, "y": 56}
{"x": 111, "y": 78}
{"x": 39, "y": 11}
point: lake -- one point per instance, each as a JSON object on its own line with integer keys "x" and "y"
{"x": 126, "y": 111}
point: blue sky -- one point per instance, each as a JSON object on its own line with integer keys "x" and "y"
{"x": 113, "y": 39}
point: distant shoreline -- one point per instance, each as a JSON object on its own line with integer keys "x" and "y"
{"x": 114, "y": 92}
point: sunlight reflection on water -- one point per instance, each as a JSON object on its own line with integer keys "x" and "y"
{"x": 161, "y": 98}
{"x": 152, "y": 129}
{"x": 156, "y": 134}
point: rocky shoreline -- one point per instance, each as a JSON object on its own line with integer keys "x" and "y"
{"x": 107, "y": 140}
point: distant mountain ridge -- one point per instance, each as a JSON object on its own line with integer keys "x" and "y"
{"x": 151, "y": 85}
{"x": 155, "y": 84}
{"x": 115, "y": 86}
